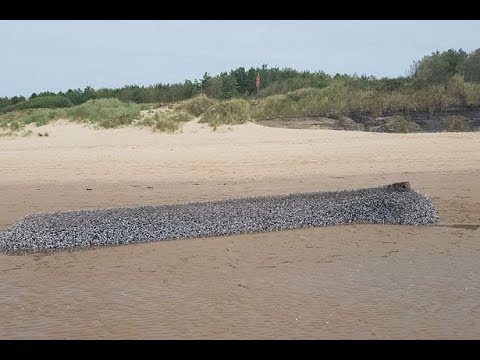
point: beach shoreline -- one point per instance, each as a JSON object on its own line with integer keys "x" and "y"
{"x": 349, "y": 281}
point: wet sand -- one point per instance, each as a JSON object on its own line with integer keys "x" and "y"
{"x": 357, "y": 281}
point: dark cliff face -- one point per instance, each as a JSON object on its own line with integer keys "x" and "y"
{"x": 452, "y": 119}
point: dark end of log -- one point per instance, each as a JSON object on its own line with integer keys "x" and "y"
{"x": 400, "y": 186}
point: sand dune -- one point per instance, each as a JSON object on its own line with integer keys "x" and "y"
{"x": 360, "y": 281}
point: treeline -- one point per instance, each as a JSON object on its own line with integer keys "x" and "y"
{"x": 439, "y": 67}
{"x": 433, "y": 69}
{"x": 237, "y": 83}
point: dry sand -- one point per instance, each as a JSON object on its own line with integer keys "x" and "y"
{"x": 359, "y": 281}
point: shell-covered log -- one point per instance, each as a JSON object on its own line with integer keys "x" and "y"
{"x": 392, "y": 204}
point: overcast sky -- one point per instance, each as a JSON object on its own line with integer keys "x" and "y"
{"x": 53, "y": 55}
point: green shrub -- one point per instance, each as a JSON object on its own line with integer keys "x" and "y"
{"x": 14, "y": 126}
{"x": 42, "y": 116}
{"x": 303, "y": 102}
{"x": 292, "y": 84}
{"x": 229, "y": 112}
{"x": 52, "y": 102}
{"x": 472, "y": 94}
{"x": 165, "y": 120}
{"x": 455, "y": 123}
{"x": 42, "y": 102}
{"x": 399, "y": 124}
{"x": 106, "y": 113}
{"x": 272, "y": 107}
{"x": 346, "y": 123}
{"x": 7, "y": 120}
{"x": 197, "y": 105}
{"x": 16, "y": 120}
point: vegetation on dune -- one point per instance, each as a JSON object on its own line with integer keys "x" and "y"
{"x": 436, "y": 82}
{"x": 197, "y": 105}
{"x": 106, "y": 113}
{"x": 455, "y": 123}
{"x": 351, "y": 96}
{"x": 45, "y": 102}
{"x": 346, "y": 123}
{"x": 399, "y": 124}
{"x": 229, "y": 112}
{"x": 164, "y": 120}
{"x": 17, "y": 120}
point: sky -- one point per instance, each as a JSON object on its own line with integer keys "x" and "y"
{"x": 56, "y": 55}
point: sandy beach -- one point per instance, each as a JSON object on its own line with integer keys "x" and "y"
{"x": 356, "y": 281}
